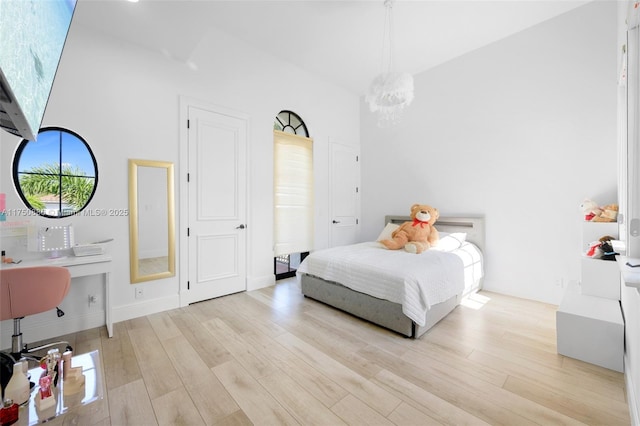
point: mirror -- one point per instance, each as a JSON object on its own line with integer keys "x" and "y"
{"x": 151, "y": 220}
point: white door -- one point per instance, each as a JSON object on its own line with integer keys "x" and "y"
{"x": 344, "y": 193}
{"x": 217, "y": 146}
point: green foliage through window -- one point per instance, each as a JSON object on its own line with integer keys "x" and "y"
{"x": 56, "y": 176}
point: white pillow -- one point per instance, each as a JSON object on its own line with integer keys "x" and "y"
{"x": 450, "y": 242}
{"x": 386, "y": 232}
{"x": 460, "y": 236}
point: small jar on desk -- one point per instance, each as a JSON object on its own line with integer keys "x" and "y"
{"x": 9, "y": 413}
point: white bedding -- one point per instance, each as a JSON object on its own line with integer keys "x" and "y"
{"x": 417, "y": 282}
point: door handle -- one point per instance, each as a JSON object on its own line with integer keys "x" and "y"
{"x": 336, "y": 221}
{"x": 241, "y": 226}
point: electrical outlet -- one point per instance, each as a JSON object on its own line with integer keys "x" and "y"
{"x": 93, "y": 300}
{"x": 139, "y": 293}
{"x": 560, "y": 282}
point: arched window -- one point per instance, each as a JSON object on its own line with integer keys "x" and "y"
{"x": 290, "y": 122}
{"x": 57, "y": 175}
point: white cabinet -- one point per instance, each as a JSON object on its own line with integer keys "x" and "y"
{"x": 590, "y": 329}
{"x": 600, "y": 278}
{"x": 589, "y": 321}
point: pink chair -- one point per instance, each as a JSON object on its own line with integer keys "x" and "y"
{"x": 28, "y": 291}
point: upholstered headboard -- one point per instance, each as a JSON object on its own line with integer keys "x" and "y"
{"x": 473, "y": 226}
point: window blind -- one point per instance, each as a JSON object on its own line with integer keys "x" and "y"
{"x": 293, "y": 193}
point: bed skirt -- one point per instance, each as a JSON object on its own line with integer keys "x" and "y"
{"x": 378, "y": 311}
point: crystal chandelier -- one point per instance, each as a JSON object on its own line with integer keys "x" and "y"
{"x": 390, "y": 92}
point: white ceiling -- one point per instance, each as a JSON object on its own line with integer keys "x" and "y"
{"x": 341, "y": 41}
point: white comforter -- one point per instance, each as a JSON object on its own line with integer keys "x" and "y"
{"x": 415, "y": 281}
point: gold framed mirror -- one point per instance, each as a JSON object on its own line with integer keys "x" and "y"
{"x": 151, "y": 220}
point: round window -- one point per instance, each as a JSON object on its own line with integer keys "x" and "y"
{"x": 57, "y": 175}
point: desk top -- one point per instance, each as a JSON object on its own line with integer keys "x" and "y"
{"x": 631, "y": 275}
{"x": 61, "y": 261}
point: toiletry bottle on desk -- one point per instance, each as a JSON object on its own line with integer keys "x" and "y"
{"x": 18, "y": 388}
{"x": 6, "y": 259}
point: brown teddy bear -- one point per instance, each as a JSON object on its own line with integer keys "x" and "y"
{"x": 609, "y": 214}
{"x": 418, "y": 235}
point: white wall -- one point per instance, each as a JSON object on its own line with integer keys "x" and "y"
{"x": 125, "y": 102}
{"x": 519, "y": 131}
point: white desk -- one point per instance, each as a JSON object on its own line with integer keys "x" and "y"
{"x": 79, "y": 267}
{"x": 631, "y": 275}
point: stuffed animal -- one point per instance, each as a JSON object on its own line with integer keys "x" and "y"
{"x": 594, "y": 213}
{"x": 602, "y": 249}
{"x": 590, "y": 209}
{"x": 419, "y": 234}
{"x": 609, "y": 214}
{"x": 608, "y": 253}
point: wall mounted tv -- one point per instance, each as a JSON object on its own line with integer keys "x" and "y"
{"x": 32, "y": 36}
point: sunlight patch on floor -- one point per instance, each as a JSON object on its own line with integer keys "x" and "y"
{"x": 475, "y": 301}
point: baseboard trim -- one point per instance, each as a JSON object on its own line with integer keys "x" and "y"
{"x": 147, "y": 307}
{"x": 256, "y": 283}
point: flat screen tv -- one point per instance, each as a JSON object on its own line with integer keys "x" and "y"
{"x": 32, "y": 37}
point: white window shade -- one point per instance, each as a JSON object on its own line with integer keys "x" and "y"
{"x": 293, "y": 193}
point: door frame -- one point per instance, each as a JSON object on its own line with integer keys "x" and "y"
{"x": 183, "y": 186}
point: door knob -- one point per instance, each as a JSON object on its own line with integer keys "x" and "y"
{"x": 336, "y": 221}
{"x": 241, "y": 226}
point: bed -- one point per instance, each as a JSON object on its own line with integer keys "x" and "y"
{"x": 403, "y": 292}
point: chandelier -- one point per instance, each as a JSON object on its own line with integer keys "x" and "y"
{"x": 391, "y": 91}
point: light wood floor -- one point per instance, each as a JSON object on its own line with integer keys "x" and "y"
{"x": 272, "y": 357}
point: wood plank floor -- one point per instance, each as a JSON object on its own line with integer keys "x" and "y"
{"x": 272, "y": 357}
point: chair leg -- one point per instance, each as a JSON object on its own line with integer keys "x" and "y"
{"x": 18, "y": 350}
{"x": 27, "y": 350}
{"x": 16, "y": 339}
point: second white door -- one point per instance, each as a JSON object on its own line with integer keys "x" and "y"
{"x": 344, "y": 190}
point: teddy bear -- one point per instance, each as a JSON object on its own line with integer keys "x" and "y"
{"x": 594, "y": 213}
{"x": 419, "y": 234}
{"x": 609, "y": 214}
{"x": 590, "y": 209}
